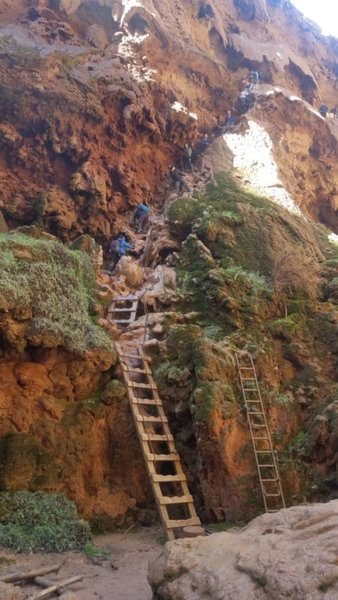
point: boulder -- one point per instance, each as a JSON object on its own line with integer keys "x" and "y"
{"x": 130, "y": 270}
{"x": 290, "y": 554}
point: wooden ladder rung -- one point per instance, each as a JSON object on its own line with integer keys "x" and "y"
{"x": 261, "y": 438}
{"x": 131, "y": 369}
{"x": 134, "y": 356}
{"x": 267, "y": 466}
{"x": 146, "y": 402}
{"x": 168, "y": 478}
{"x": 176, "y": 500}
{"x": 143, "y": 386}
{"x": 153, "y": 437}
{"x": 272, "y": 495}
{"x": 122, "y": 321}
{"x": 163, "y": 457}
{"x": 171, "y": 524}
{"x": 275, "y": 479}
{"x": 150, "y": 419}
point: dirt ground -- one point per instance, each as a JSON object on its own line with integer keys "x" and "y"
{"x": 129, "y": 553}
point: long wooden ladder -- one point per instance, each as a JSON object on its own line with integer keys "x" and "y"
{"x": 174, "y": 502}
{"x": 260, "y": 434}
{"x": 123, "y": 310}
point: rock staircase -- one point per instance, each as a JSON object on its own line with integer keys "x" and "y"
{"x": 174, "y": 502}
{"x": 260, "y": 434}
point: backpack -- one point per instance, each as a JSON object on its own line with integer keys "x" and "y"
{"x": 114, "y": 246}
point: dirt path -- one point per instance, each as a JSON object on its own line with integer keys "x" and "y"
{"x": 130, "y": 553}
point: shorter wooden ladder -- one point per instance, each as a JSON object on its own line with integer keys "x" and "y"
{"x": 261, "y": 438}
{"x": 123, "y": 310}
{"x": 169, "y": 484}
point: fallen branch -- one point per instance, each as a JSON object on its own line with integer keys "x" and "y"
{"x": 46, "y": 583}
{"x": 54, "y": 588}
{"x": 18, "y": 576}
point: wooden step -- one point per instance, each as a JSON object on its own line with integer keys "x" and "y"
{"x": 123, "y": 321}
{"x": 143, "y": 386}
{"x": 261, "y": 438}
{"x": 146, "y": 402}
{"x": 168, "y": 478}
{"x": 131, "y": 369}
{"x": 171, "y": 524}
{"x": 125, "y": 309}
{"x": 176, "y": 500}
{"x": 163, "y": 457}
{"x": 275, "y": 479}
{"x": 266, "y": 466}
{"x": 150, "y": 419}
{"x": 153, "y": 437}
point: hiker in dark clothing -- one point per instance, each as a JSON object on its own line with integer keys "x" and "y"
{"x": 323, "y": 110}
{"x": 244, "y": 102}
{"x": 202, "y": 145}
{"x": 141, "y": 216}
{"x": 180, "y": 183}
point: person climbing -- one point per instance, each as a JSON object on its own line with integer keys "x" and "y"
{"x": 118, "y": 248}
{"x": 202, "y": 145}
{"x": 323, "y": 110}
{"x": 141, "y": 216}
{"x": 230, "y": 121}
{"x": 188, "y": 157}
{"x": 179, "y": 181}
{"x": 254, "y": 77}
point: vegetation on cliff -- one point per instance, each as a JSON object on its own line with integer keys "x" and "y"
{"x": 261, "y": 279}
{"x": 51, "y": 289}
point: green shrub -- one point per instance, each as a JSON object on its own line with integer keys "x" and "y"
{"x": 31, "y": 522}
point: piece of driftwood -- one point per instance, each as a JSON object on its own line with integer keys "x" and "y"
{"x": 19, "y": 575}
{"x": 46, "y": 583}
{"x": 54, "y": 588}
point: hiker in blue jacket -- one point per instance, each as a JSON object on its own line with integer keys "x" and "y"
{"x": 118, "y": 248}
{"x": 141, "y": 216}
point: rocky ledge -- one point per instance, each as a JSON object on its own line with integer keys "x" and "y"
{"x": 290, "y": 554}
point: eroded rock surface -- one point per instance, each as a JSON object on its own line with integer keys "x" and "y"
{"x": 290, "y": 554}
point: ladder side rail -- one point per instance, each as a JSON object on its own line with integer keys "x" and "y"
{"x": 251, "y": 434}
{"x": 161, "y": 504}
{"x": 268, "y": 432}
{"x": 169, "y": 533}
{"x": 266, "y": 427}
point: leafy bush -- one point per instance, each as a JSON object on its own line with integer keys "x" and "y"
{"x": 31, "y": 522}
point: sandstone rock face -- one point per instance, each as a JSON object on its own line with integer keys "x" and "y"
{"x": 109, "y": 123}
{"x": 290, "y": 554}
